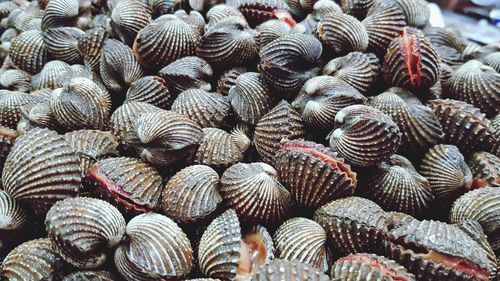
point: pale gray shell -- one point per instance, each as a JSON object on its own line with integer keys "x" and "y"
{"x": 62, "y": 43}
{"x": 123, "y": 118}
{"x": 187, "y": 73}
{"x": 28, "y": 51}
{"x": 16, "y": 80}
{"x": 90, "y": 45}
{"x": 128, "y": 17}
{"x": 10, "y": 106}
{"x": 48, "y": 77}
{"x": 13, "y": 216}
{"x": 285, "y": 270}
{"x": 204, "y": 108}
{"x": 150, "y": 89}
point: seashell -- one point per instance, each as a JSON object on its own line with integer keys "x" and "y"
{"x": 419, "y": 125}
{"x": 364, "y": 266}
{"x": 128, "y": 17}
{"x": 289, "y": 61}
{"x": 271, "y": 30}
{"x": 396, "y": 219}
{"x": 92, "y": 145}
{"x": 60, "y": 13}
{"x": 15, "y": 80}
{"x": 220, "y": 12}
{"x": 10, "y": 107}
{"x": 87, "y": 275}
{"x": 164, "y": 41}
{"x": 187, "y": 73}
{"x": 320, "y": 9}
{"x": 477, "y": 84}
{"x": 359, "y": 70}
{"x": 281, "y": 124}
{"x": 162, "y": 7}
{"x": 445, "y": 169}
{"x": 463, "y": 125}
{"x": 90, "y": 45}
{"x": 355, "y": 224}
{"x": 259, "y": 11}
{"x": 23, "y": 19}
{"x": 32, "y": 260}
{"x": 7, "y": 7}
{"x": 446, "y": 36}
{"x": 313, "y": 174}
{"x": 41, "y": 168}
{"x": 196, "y": 187}
{"x": 250, "y": 97}
{"x": 411, "y": 61}
{"x": 204, "y": 108}
{"x": 14, "y": 216}
{"x": 28, "y": 51}
{"x": 322, "y": 97}
{"x": 203, "y": 5}
{"x": 253, "y": 190}
{"x": 7, "y": 138}
{"x": 62, "y": 43}
{"x": 122, "y": 120}
{"x": 155, "y": 248}
{"x": 81, "y": 228}
{"x": 281, "y": 270}
{"x": 36, "y": 115}
{"x": 397, "y": 186}
{"x": 132, "y": 185}
{"x": 357, "y": 8}
{"x": 228, "y": 79}
{"x": 416, "y": 12}
{"x": 364, "y": 136}
{"x": 492, "y": 60}
{"x": 152, "y": 90}
{"x": 194, "y": 19}
{"x": 48, "y": 78}
{"x": 118, "y": 66}
{"x": 228, "y": 43}
{"x": 481, "y": 205}
{"x": 383, "y": 22}
{"x": 434, "y": 250}
{"x": 304, "y": 241}
{"x": 81, "y": 105}
{"x": 219, "y": 149}
{"x": 342, "y": 33}
{"x": 485, "y": 168}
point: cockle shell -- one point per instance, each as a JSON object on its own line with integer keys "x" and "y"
{"x": 28, "y": 51}
{"x": 36, "y": 116}
{"x": 155, "y": 248}
{"x": 128, "y": 17}
{"x": 320, "y": 9}
{"x": 10, "y": 107}
{"x": 150, "y": 89}
{"x": 204, "y": 108}
{"x": 90, "y": 45}
{"x": 7, "y": 138}
{"x": 259, "y": 11}
{"x": 62, "y": 43}
{"x": 87, "y": 275}
{"x": 305, "y": 241}
{"x": 7, "y": 7}
{"x": 228, "y": 79}
{"x": 355, "y": 224}
{"x": 66, "y": 13}
{"x": 13, "y": 216}
{"x": 446, "y": 36}
{"x": 41, "y": 168}
{"x": 492, "y": 60}
{"x": 187, "y": 73}
{"x": 485, "y": 168}
{"x": 364, "y": 136}
{"x": 281, "y": 124}
{"x": 357, "y": 8}
{"x": 15, "y": 80}
{"x": 192, "y": 195}
{"x": 271, "y": 30}
{"x": 80, "y": 228}
{"x": 416, "y": 12}
{"x": 48, "y": 77}
{"x": 122, "y": 120}
{"x": 26, "y": 19}
{"x": 285, "y": 270}
{"x": 194, "y": 19}
{"x": 255, "y": 193}
{"x": 220, "y": 12}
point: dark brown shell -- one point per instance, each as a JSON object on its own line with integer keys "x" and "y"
{"x": 228, "y": 78}
{"x": 220, "y": 12}
{"x": 194, "y": 19}
{"x": 270, "y": 31}
{"x": 187, "y": 73}
{"x": 204, "y": 108}
{"x": 416, "y": 12}
{"x": 28, "y": 51}
{"x": 90, "y": 45}
{"x": 10, "y": 107}
{"x": 15, "y": 80}
{"x": 87, "y": 275}
{"x": 446, "y": 36}
{"x": 285, "y": 270}
{"x": 357, "y": 8}
{"x": 123, "y": 118}
{"x": 259, "y": 11}
{"x": 485, "y": 168}
{"x": 14, "y": 216}
{"x": 354, "y": 224}
{"x": 128, "y": 17}
{"x": 49, "y": 76}
{"x": 152, "y": 90}
{"x": 62, "y": 43}
{"x": 7, "y": 138}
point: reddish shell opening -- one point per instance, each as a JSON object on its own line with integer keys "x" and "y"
{"x": 9, "y": 133}
{"x": 410, "y": 49}
{"x": 285, "y": 17}
{"x": 479, "y": 183}
{"x": 252, "y": 254}
{"x": 374, "y": 263}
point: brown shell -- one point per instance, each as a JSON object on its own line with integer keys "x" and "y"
{"x": 204, "y": 108}
{"x": 259, "y": 11}
{"x": 60, "y": 13}
{"x": 49, "y": 76}
{"x": 411, "y": 61}
{"x": 360, "y": 70}
{"x": 194, "y": 19}
{"x": 28, "y": 51}
{"x": 15, "y": 80}
{"x": 313, "y": 174}
{"x": 271, "y": 30}
{"x": 155, "y": 248}
{"x": 41, "y": 168}
{"x": 416, "y": 12}
{"x": 123, "y": 118}
{"x": 28, "y": 18}
{"x": 281, "y": 124}
{"x": 357, "y": 8}
{"x": 220, "y": 12}
{"x": 446, "y": 36}
{"x": 132, "y": 185}
{"x": 187, "y": 73}
{"x": 192, "y": 195}
{"x": 364, "y": 136}
{"x": 128, "y": 17}
{"x": 354, "y": 224}
{"x": 284, "y": 270}
{"x": 13, "y": 216}
{"x": 10, "y": 107}
{"x": 253, "y": 190}
{"x": 7, "y": 138}
{"x": 87, "y": 275}
{"x": 485, "y": 168}
{"x": 228, "y": 79}
{"x": 80, "y": 228}
{"x": 39, "y": 115}
{"x": 62, "y": 43}
{"x": 90, "y": 45}
{"x": 492, "y": 60}
{"x": 449, "y": 55}
{"x": 152, "y": 90}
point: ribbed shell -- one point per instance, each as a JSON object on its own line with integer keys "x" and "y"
{"x": 446, "y": 36}
{"x": 445, "y": 168}
{"x": 90, "y": 276}
{"x": 259, "y": 11}
{"x": 90, "y": 45}
{"x": 416, "y": 12}
{"x": 355, "y": 224}
{"x": 194, "y": 19}
{"x": 219, "y": 149}
{"x": 256, "y": 194}
{"x": 10, "y": 107}
{"x": 81, "y": 228}
{"x": 41, "y": 168}
{"x": 128, "y": 18}
{"x": 62, "y": 43}
{"x": 220, "y": 12}
{"x": 152, "y": 90}
{"x": 359, "y": 70}
{"x": 303, "y": 240}
{"x": 483, "y": 206}
{"x": 228, "y": 43}
{"x": 485, "y": 168}
{"x": 60, "y": 13}
{"x": 123, "y": 118}
{"x": 204, "y": 108}
{"x": 16, "y": 80}
{"x": 271, "y": 30}
{"x": 156, "y": 248}
{"x": 13, "y": 216}
{"x": 49, "y": 76}
{"x": 397, "y": 186}
{"x": 32, "y": 260}
{"x": 357, "y": 8}
{"x": 192, "y": 195}
{"x": 368, "y": 267}
{"x": 27, "y": 18}
{"x": 284, "y": 270}
{"x": 130, "y": 184}
{"x": 7, "y": 138}
{"x": 492, "y": 60}
{"x": 187, "y": 73}
{"x": 281, "y": 124}
{"x": 250, "y": 97}
{"x": 228, "y": 79}
{"x": 342, "y": 33}
{"x": 164, "y": 41}
{"x": 118, "y": 66}
{"x": 28, "y": 51}
{"x": 364, "y": 136}
{"x": 289, "y": 61}
{"x": 411, "y": 61}
{"x": 477, "y": 84}
{"x": 38, "y": 115}
{"x": 7, "y": 7}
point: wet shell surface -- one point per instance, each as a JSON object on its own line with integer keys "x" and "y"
{"x": 220, "y": 12}
{"x": 364, "y": 136}
{"x": 281, "y": 270}
{"x": 128, "y": 18}
{"x": 228, "y": 79}
{"x": 90, "y": 45}
{"x": 155, "y": 248}
{"x": 205, "y": 108}
{"x": 13, "y": 216}
{"x": 220, "y": 149}
{"x": 355, "y": 224}
{"x": 7, "y": 138}
{"x": 313, "y": 174}
{"x": 486, "y": 169}
{"x": 80, "y": 227}
{"x": 41, "y": 168}
{"x": 150, "y": 89}
{"x": 62, "y": 43}
{"x": 187, "y": 73}
{"x": 10, "y": 107}
{"x": 192, "y": 195}
{"x": 28, "y": 51}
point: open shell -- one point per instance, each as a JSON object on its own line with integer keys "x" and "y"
{"x": 485, "y": 168}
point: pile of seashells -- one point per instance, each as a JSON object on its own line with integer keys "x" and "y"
{"x": 264, "y": 140}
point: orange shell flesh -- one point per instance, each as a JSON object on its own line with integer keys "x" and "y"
{"x": 458, "y": 264}
{"x": 252, "y": 254}
{"x": 374, "y": 263}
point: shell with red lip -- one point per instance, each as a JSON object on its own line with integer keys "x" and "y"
{"x": 150, "y": 89}
{"x": 28, "y": 51}
{"x": 187, "y": 73}
{"x": 285, "y": 270}
{"x": 259, "y": 11}
{"x": 485, "y": 168}
{"x": 204, "y": 108}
